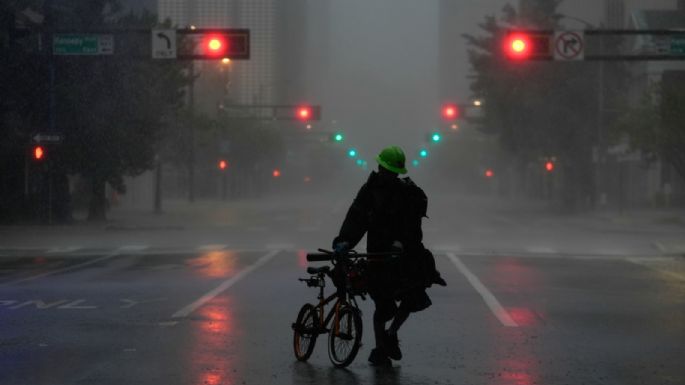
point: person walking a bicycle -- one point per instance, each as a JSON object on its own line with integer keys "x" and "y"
{"x": 389, "y": 210}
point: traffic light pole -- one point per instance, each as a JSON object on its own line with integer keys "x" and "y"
{"x": 191, "y": 127}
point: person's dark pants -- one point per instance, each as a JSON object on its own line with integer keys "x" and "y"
{"x": 384, "y": 312}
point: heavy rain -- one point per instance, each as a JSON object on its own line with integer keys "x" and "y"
{"x": 342, "y": 192}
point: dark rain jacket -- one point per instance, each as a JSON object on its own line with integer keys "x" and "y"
{"x": 387, "y": 209}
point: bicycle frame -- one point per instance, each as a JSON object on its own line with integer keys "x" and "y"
{"x": 340, "y": 296}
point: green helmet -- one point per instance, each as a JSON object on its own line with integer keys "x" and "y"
{"x": 392, "y": 158}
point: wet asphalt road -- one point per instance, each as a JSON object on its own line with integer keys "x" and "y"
{"x": 221, "y": 314}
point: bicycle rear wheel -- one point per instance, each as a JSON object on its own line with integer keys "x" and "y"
{"x": 345, "y": 339}
{"x": 305, "y": 332}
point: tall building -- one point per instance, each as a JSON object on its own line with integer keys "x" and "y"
{"x": 272, "y": 26}
{"x": 450, "y": 58}
{"x": 614, "y": 14}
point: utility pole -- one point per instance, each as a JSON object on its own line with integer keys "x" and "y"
{"x": 191, "y": 128}
{"x": 52, "y": 107}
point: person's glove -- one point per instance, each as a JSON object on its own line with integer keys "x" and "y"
{"x": 341, "y": 247}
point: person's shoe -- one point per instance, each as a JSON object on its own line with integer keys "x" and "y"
{"x": 379, "y": 358}
{"x": 392, "y": 346}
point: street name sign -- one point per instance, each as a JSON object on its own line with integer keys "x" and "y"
{"x": 163, "y": 44}
{"x": 82, "y": 44}
{"x": 678, "y": 45}
{"x": 47, "y": 138}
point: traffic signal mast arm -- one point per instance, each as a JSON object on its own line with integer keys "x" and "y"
{"x": 527, "y": 45}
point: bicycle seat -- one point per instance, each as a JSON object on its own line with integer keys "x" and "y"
{"x": 317, "y": 270}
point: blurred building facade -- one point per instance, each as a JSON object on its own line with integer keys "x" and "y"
{"x": 251, "y": 81}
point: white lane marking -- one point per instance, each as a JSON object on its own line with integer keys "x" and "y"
{"x": 488, "y": 297}
{"x": 280, "y": 246}
{"x": 67, "y": 249}
{"x": 541, "y": 250}
{"x": 185, "y": 311}
{"x": 132, "y": 248}
{"x": 646, "y": 263}
{"x": 212, "y": 247}
{"x": 661, "y": 247}
{"x": 77, "y": 305}
{"x": 63, "y": 270}
{"x": 670, "y": 247}
{"x": 448, "y": 248}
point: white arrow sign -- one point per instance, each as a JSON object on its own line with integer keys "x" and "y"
{"x": 163, "y": 43}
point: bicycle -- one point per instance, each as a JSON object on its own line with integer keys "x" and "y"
{"x": 345, "y": 333}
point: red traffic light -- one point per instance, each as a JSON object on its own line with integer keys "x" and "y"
{"x": 533, "y": 45}
{"x": 450, "y": 111}
{"x": 215, "y": 45}
{"x": 304, "y": 113}
{"x": 549, "y": 166}
{"x": 517, "y": 46}
{"x": 223, "y": 164}
{"x": 276, "y": 173}
{"x": 489, "y": 173}
{"x": 38, "y": 152}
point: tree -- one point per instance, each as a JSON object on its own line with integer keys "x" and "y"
{"x": 113, "y": 121}
{"x": 656, "y": 125}
{"x": 538, "y": 109}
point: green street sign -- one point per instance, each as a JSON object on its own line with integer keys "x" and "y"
{"x": 83, "y": 44}
{"x": 678, "y": 45}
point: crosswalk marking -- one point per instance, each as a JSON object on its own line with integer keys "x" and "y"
{"x": 212, "y": 247}
{"x": 61, "y": 249}
{"x": 541, "y": 249}
{"x": 132, "y": 248}
{"x": 63, "y": 270}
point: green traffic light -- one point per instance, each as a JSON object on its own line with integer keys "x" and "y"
{"x": 423, "y": 153}
{"x": 360, "y": 162}
{"x": 352, "y": 152}
{"x": 436, "y": 137}
{"x": 415, "y": 163}
{"x": 338, "y": 137}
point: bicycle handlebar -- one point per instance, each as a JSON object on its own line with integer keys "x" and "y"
{"x": 326, "y": 255}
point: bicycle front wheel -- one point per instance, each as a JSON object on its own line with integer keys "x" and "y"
{"x": 345, "y": 338}
{"x": 305, "y": 332}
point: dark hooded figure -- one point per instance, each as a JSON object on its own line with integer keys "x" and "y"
{"x": 389, "y": 210}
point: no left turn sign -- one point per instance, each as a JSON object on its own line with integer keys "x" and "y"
{"x": 569, "y": 45}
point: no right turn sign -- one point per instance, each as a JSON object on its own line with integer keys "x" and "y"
{"x": 569, "y": 45}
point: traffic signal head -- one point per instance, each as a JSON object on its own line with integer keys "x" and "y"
{"x": 223, "y": 44}
{"x": 276, "y": 173}
{"x": 450, "y": 111}
{"x": 215, "y": 45}
{"x": 338, "y": 137}
{"x": 489, "y": 173}
{"x": 527, "y": 45}
{"x": 423, "y": 153}
{"x": 436, "y": 137}
{"x": 304, "y": 113}
{"x": 549, "y": 166}
{"x": 352, "y": 152}
{"x": 223, "y": 165}
{"x": 38, "y": 152}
